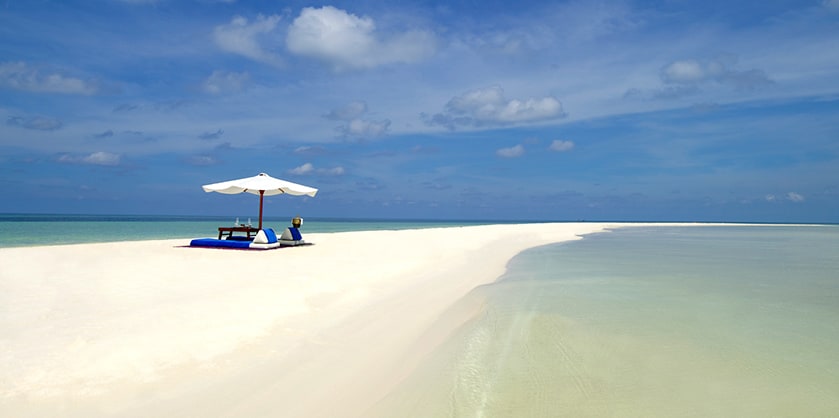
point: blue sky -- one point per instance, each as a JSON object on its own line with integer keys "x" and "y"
{"x": 595, "y": 110}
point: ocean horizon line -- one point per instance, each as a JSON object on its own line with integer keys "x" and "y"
{"x": 109, "y": 217}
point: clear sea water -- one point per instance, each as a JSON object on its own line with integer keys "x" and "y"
{"x": 698, "y": 321}
{"x": 19, "y": 230}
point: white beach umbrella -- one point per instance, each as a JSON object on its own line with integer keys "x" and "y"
{"x": 263, "y": 185}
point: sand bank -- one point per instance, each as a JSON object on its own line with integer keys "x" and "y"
{"x": 154, "y": 329}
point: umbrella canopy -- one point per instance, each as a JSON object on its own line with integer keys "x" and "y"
{"x": 262, "y": 185}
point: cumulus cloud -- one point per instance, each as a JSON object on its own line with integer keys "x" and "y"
{"x": 355, "y": 125}
{"x": 244, "y": 38}
{"x": 689, "y": 77}
{"x": 347, "y": 41}
{"x": 693, "y": 72}
{"x": 795, "y": 197}
{"x": 366, "y": 128}
{"x": 220, "y": 82}
{"x": 791, "y": 196}
{"x": 512, "y": 152}
{"x": 309, "y": 168}
{"x": 201, "y": 160}
{"x": 310, "y": 150}
{"x": 690, "y": 71}
{"x": 334, "y": 171}
{"x": 489, "y": 106}
{"x": 19, "y": 76}
{"x": 303, "y": 169}
{"x": 38, "y": 123}
{"x": 102, "y": 158}
{"x": 559, "y": 145}
{"x": 96, "y": 158}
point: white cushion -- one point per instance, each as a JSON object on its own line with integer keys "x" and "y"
{"x": 259, "y": 246}
{"x": 260, "y": 238}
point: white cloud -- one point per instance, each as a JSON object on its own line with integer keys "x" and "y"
{"x": 689, "y": 71}
{"x": 530, "y": 109}
{"x": 19, "y": 76}
{"x": 201, "y": 160}
{"x": 308, "y": 168}
{"x": 690, "y": 77}
{"x": 96, "y": 158}
{"x": 225, "y": 82}
{"x": 310, "y": 150}
{"x": 559, "y": 145}
{"x": 488, "y": 106}
{"x": 351, "y": 113}
{"x": 512, "y": 152}
{"x": 242, "y": 37}
{"x": 832, "y": 5}
{"x": 102, "y": 158}
{"x": 348, "y": 41}
{"x": 366, "y": 128}
{"x": 303, "y": 169}
{"x": 335, "y": 171}
{"x": 721, "y": 70}
{"x": 480, "y": 101}
{"x": 795, "y": 197}
{"x": 791, "y": 196}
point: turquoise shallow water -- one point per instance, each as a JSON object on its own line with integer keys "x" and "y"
{"x": 19, "y": 230}
{"x": 647, "y": 322}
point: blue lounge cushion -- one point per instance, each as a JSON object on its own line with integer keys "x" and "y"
{"x": 271, "y": 235}
{"x": 265, "y": 236}
{"x": 219, "y": 243}
{"x": 295, "y": 233}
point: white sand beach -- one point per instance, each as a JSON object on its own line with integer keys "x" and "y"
{"x": 151, "y": 328}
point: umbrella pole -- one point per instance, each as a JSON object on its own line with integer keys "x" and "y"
{"x": 261, "y": 194}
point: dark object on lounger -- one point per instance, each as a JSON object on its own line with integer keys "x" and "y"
{"x": 239, "y": 238}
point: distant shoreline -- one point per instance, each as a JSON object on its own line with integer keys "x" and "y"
{"x": 28, "y": 230}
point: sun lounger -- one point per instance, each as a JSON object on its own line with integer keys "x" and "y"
{"x": 291, "y": 237}
{"x": 265, "y": 239}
